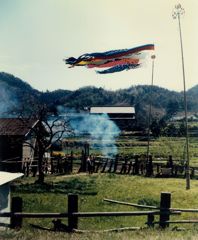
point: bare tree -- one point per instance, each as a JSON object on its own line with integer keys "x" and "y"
{"x": 48, "y": 130}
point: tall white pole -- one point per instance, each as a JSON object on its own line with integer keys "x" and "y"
{"x": 149, "y": 116}
{"x": 177, "y": 12}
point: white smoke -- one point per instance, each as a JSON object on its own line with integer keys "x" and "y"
{"x": 102, "y": 131}
{"x": 8, "y": 101}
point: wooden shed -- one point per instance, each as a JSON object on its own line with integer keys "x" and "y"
{"x": 5, "y": 195}
{"x": 14, "y": 150}
{"x": 123, "y": 116}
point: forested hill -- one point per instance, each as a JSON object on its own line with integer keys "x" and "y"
{"x": 163, "y": 101}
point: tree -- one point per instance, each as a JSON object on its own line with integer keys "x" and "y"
{"x": 48, "y": 131}
{"x": 171, "y": 130}
{"x": 172, "y": 108}
{"x": 182, "y": 129}
{"x": 155, "y": 128}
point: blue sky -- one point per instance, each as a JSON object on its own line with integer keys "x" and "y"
{"x": 36, "y": 35}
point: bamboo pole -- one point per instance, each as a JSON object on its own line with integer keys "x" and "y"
{"x": 150, "y": 207}
{"x": 150, "y": 109}
{"x": 130, "y": 204}
{"x": 178, "y": 11}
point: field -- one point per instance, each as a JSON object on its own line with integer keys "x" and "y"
{"x": 92, "y": 189}
{"x": 160, "y": 147}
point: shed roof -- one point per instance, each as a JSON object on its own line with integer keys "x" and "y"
{"x": 16, "y": 126}
{"x": 113, "y": 109}
{"x": 6, "y": 177}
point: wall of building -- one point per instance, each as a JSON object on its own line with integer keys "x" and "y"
{"x": 4, "y": 203}
{"x": 10, "y": 151}
{"x": 28, "y": 149}
{"x": 124, "y": 121}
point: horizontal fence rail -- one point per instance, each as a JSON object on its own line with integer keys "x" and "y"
{"x": 34, "y": 215}
{"x": 179, "y": 221}
{"x": 119, "y": 214}
{"x": 185, "y": 210}
{"x": 84, "y": 214}
{"x": 130, "y": 204}
{"x": 149, "y": 207}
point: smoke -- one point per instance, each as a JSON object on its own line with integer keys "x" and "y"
{"x": 100, "y": 128}
{"x": 8, "y": 101}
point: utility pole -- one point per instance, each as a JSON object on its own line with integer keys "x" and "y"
{"x": 177, "y": 13}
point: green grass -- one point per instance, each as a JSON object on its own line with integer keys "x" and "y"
{"x": 75, "y": 185}
{"x": 128, "y": 188}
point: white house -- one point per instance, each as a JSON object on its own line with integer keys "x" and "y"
{"x": 5, "y": 199}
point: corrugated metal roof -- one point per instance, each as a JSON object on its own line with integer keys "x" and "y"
{"x": 112, "y": 110}
{"x": 6, "y": 177}
{"x": 15, "y": 126}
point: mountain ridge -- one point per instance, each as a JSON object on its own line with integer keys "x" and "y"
{"x": 163, "y": 101}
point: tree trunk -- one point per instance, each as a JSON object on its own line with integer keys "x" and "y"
{"x": 40, "y": 179}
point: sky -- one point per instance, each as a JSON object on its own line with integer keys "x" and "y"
{"x": 36, "y": 35}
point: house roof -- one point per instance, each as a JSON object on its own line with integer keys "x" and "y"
{"x": 113, "y": 109}
{"x": 6, "y": 177}
{"x": 16, "y": 126}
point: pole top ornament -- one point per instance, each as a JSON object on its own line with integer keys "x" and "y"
{"x": 178, "y": 11}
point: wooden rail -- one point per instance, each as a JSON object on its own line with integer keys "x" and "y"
{"x": 130, "y": 204}
{"x": 149, "y": 207}
{"x": 179, "y": 221}
{"x": 33, "y": 215}
{"x": 83, "y": 214}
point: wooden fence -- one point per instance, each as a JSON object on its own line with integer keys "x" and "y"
{"x": 73, "y": 214}
{"x": 134, "y": 165}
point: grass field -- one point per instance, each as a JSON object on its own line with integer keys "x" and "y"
{"x": 92, "y": 189}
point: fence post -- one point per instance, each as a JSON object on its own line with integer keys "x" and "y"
{"x": 176, "y": 171}
{"x": 157, "y": 166}
{"x": 115, "y": 164}
{"x": 72, "y": 207}
{"x": 111, "y": 166}
{"x": 149, "y": 166}
{"x": 150, "y": 220}
{"x": 165, "y": 204}
{"x": 71, "y": 162}
{"x": 136, "y": 165}
{"x": 130, "y": 166}
{"x": 192, "y": 172}
{"x": 16, "y": 206}
{"x": 104, "y": 166}
{"x": 83, "y": 167}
